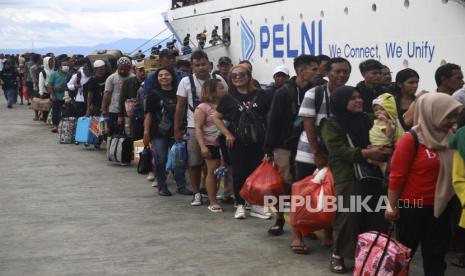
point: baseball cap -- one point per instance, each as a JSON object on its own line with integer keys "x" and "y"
{"x": 225, "y": 60}
{"x": 139, "y": 65}
{"x": 281, "y": 69}
{"x": 99, "y": 63}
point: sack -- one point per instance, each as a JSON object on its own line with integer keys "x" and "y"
{"x": 39, "y": 104}
{"x": 315, "y": 188}
{"x": 66, "y": 130}
{"x": 264, "y": 181}
{"x": 26, "y": 93}
{"x": 365, "y": 172}
{"x": 110, "y": 57}
{"x": 83, "y": 133}
{"x": 119, "y": 148}
{"x": 145, "y": 161}
{"x": 97, "y": 126}
{"x": 130, "y": 105}
{"x": 379, "y": 254}
{"x": 250, "y": 129}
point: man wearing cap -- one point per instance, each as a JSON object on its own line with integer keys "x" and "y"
{"x": 280, "y": 76}
{"x": 130, "y": 90}
{"x": 95, "y": 88}
{"x": 224, "y": 66}
{"x": 168, "y": 61}
{"x": 285, "y": 127}
{"x": 113, "y": 85}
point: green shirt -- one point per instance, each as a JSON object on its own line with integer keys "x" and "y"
{"x": 57, "y": 79}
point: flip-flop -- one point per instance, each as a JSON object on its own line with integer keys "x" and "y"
{"x": 299, "y": 249}
{"x": 215, "y": 208}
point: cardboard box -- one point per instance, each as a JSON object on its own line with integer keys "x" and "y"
{"x": 41, "y": 104}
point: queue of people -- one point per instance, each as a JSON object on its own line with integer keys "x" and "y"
{"x": 301, "y": 123}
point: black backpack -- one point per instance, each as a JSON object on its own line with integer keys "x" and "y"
{"x": 250, "y": 128}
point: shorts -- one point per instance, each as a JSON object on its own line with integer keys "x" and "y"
{"x": 214, "y": 152}
{"x": 194, "y": 155}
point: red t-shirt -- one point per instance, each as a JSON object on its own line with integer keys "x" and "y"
{"x": 414, "y": 175}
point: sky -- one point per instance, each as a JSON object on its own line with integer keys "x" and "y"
{"x": 77, "y": 22}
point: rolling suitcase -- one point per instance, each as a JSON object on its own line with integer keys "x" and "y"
{"x": 83, "y": 133}
{"x": 66, "y": 129}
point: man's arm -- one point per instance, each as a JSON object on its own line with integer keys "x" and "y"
{"x": 179, "y": 117}
{"x": 312, "y": 137}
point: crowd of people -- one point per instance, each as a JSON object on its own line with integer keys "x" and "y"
{"x": 413, "y": 140}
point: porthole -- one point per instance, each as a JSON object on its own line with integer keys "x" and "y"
{"x": 407, "y": 3}
{"x": 346, "y": 10}
{"x": 374, "y": 7}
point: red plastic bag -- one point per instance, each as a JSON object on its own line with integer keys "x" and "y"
{"x": 26, "y": 94}
{"x": 379, "y": 254}
{"x": 310, "y": 202}
{"x": 264, "y": 181}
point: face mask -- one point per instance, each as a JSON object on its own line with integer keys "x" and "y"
{"x": 65, "y": 69}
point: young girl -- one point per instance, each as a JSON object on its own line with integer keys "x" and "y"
{"x": 206, "y": 133}
{"x": 386, "y": 128}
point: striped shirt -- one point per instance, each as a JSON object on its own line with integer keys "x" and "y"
{"x": 308, "y": 110}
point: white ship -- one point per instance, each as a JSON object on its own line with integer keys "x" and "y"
{"x": 420, "y": 34}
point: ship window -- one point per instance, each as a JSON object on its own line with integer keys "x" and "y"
{"x": 373, "y": 7}
{"x": 445, "y": 1}
{"x": 226, "y": 23}
{"x": 406, "y": 3}
{"x": 346, "y": 10}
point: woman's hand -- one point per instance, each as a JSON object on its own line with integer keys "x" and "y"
{"x": 230, "y": 140}
{"x": 205, "y": 152}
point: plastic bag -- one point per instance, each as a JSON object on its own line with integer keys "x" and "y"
{"x": 315, "y": 190}
{"x": 169, "y": 163}
{"x": 26, "y": 94}
{"x": 179, "y": 155}
{"x": 264, "y": 181}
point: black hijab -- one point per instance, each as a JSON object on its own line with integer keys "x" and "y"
{"x": 357, "y": 125}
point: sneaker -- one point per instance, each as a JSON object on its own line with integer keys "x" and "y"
{"x": 54, "y": 130}
{"x": 247, "y": 206}
{"x": 10, "y": 106}
{"x": 184, "y": 191}
{"x": 240, "y": 212}
{"x": 155, "y": 184}
{"x": 259, "y": 212}
{"x": 196, "y": 200}
{"x": 151, "y": 177}
{"x": 164, "y": 192}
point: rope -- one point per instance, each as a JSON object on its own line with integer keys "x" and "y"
{"x": 148, "y": 41}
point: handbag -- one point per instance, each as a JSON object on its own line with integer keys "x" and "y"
{"x": 145, "y": 161}
{"x": 364, "y": 171}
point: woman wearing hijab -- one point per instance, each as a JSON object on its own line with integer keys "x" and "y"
{"x": 349, "y": 120}
{"x": 420, "y": 181}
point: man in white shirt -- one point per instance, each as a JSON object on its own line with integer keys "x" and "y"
{"x": 187, "y": 98}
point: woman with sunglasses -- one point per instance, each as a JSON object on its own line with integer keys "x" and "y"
{"x": 245, "y": 157}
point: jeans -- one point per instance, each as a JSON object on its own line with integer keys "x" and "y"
{"x": 10, "y": 95}
{"x": 56, "y": 111}
{"x": 162, "y": 145}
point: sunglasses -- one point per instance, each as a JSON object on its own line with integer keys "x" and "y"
{"x": 239, "y": 75}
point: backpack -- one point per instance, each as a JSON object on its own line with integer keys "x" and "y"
{"x": 195, "y": 99}
{"x": 319, "y": 93}
{"x": 250, "y": 129}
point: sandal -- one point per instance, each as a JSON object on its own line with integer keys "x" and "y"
{"x": 459, "y": 260}
{"x": 299, "y": 249}
{"x": 337, "y": 262}
{"x": 215, "y": 208}
{"x": 277, "y": 228}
